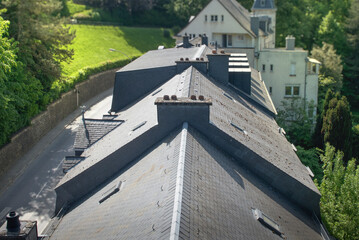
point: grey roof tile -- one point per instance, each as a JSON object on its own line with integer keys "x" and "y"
{"x": 133, "y": 212}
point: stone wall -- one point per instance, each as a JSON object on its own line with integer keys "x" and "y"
{"x": 25, "y": 139}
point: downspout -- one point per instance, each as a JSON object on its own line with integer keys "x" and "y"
{"x": 305, "y": 83}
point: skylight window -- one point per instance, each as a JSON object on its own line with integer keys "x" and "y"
{"x": 266, "y": 221}
{"x": 139, "y": 125}
{"x": 159, "y": 90}
{"x": 238, "y": 128}
{"x": 114, "y": 189}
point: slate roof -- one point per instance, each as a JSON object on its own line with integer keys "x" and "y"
{"x": 195, "y": 180}
{"x": 163, "y": 58}
{"x": 268, "y": 4}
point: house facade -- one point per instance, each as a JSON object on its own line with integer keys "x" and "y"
{"x": 287, "y": 72}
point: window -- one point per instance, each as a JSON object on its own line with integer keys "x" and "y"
{"x": 205, "y": 18}
{"x": 241, "y": 37}
{"x": 263, "y": 3}
{"x": 292, "y": 69}
{"x": 271, "y": 67}
{"x": 270, "y": 90}
{"x": 214, "y": 18}
{"x": 267, "y": 222}
{"x": 230, "y": 40}
{"x": 263, "y": 67}
{"x": 222, "y": 18}
{"x": 292, "y": 91}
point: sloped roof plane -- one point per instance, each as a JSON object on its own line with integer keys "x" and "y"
{"x": 190, "y": 168}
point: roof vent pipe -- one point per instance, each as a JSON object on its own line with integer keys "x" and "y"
{"x": 13, "y": 222}
{"x": 290, "y": 42}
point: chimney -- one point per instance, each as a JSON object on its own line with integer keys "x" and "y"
{"x": 173, "y": 110}
{"x": 255, "y": 25}
{"x": 200, "y": 64}
{"x": 290, "y": 42}
{"x": 218, "y": 66}
{"x": 204, "y": 40}
{"x": 186, "y": 43}
{"x": 13, "y": 228}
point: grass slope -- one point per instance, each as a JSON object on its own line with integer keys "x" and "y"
{"x": 92, "y": 44}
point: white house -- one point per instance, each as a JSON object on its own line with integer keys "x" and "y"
{"x": 287, "y": 72}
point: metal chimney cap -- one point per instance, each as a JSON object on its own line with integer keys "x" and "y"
{"x": 13, "y": 222}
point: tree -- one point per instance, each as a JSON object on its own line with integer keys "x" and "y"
{"x": 339, "y": 190}
{"x": 337, "y": 125}
{"x": 294, "y": 118}
{"x": 351, "y": 67}
{"x": 41, "y": 35}
{"x": 331, "y": 31}
{"x": 18, "y": 93}
{"x": 311, "y": 159}
{"x": 331, "y": 67}
{"x": 318, "y": 137}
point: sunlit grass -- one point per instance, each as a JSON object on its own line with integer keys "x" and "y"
{"x": 92, "y": 44}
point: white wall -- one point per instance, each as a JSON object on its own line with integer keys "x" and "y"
{"x": 281, "y": 77}
{"x": 214, "y": 30}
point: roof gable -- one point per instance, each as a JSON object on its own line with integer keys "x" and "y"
{"x": 237, "y": 12}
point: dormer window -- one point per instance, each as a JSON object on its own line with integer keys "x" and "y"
{"x": 263, "y": 3}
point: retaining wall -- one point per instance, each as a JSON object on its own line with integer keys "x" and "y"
{"x": 25, "y": 139}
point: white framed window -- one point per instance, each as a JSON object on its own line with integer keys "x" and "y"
{"x": 214, "y": 18}
{"x": 205, "y": 18}
{"x": 270, "y": 90}
{"x": 222, "y": 18}
{"x": 271, "y": 67}
{"x": 263, "y": 68}
{"x": 292, "y": 91}
{"x": 241, "y": 37}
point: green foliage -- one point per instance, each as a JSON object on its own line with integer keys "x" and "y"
{"x": 331, "y": 31}
{"x": 355, "y": 149}
{"x": 337, "y": 125}
{"x": 339, "y": 189}
{"x": 294, "y": 118}
{"x": 41, "y": 35}
{"x": 18, "y": 93}
{"x": 351, "y": 67}
{"x": 330, "y": 70}
{"x": 311, "y": 159}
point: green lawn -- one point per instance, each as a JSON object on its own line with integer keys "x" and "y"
{"x": 92, "y": 44}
